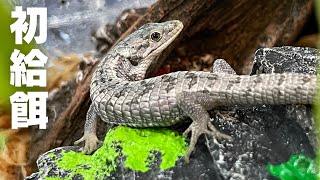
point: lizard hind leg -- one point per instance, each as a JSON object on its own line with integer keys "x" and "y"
{"x": 190, "y": 103}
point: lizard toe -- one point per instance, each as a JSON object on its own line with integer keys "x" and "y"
{"x": 79, "y": 141}
{"x": 90, "y": 143}
{"x": 90, "y": 147}
{"x": 217, "y": 134}
{"x": 196, "y": 131}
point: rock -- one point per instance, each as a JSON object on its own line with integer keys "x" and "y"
{"x": 69, "y": 162}
{"x": 268, "y": 134}
{"x": 286, "y": 59}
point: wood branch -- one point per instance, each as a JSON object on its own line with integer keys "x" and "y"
{"x": 229, "y": 29}
{"x": 236, "y": 29}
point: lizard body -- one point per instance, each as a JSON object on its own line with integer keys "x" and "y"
{"x": 121, "y": 95}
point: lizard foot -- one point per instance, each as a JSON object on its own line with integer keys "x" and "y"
{"x": 90, "y": 142}
{"x": 196, "y": 130}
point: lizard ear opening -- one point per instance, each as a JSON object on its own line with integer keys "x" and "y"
{"x": 133, "y": 62}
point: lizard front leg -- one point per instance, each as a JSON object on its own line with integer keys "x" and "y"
{"x": 192, "y": 105}
{"x": 90, "y": 138}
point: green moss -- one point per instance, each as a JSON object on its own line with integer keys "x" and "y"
{"x": 298, "y": 167}
{"x": 136, "y": 145}
{"x": 51, "y": 155}
{"x": 101, "y": 163}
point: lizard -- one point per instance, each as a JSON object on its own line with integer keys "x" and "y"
{"x": 120, "y": 95}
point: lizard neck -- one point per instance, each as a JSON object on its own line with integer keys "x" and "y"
{"x": 117, "y": 67}
{"x": 111, "y": 68}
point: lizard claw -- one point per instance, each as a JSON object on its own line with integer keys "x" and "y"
{"x": 90, "y": 142}
{"x": 216, "y": 134}
{"x": 196, "y": 130}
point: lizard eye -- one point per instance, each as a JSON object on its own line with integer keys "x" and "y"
{"x": 155, "y": 36}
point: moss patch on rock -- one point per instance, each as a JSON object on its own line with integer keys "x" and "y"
{"x": 137, "y": 145}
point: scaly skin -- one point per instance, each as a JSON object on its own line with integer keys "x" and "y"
{"x": 121, "y": 95}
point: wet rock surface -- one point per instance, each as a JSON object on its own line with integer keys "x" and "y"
{"x": 261, "y": 134}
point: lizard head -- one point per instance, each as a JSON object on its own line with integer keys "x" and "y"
{"x": 145, "y": 45}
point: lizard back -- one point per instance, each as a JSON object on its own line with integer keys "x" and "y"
{"x": 152, "y": 102}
